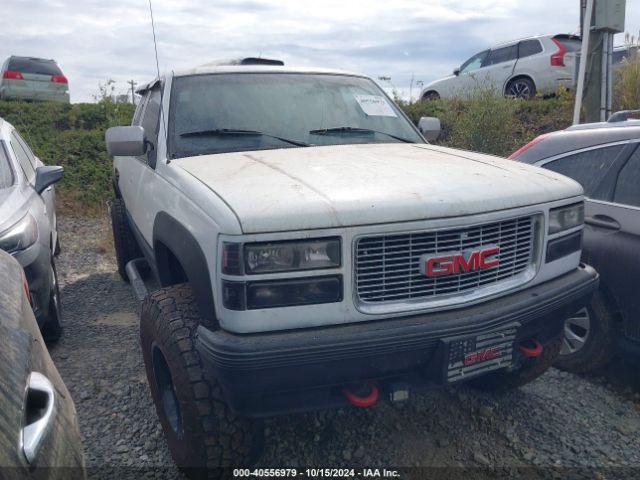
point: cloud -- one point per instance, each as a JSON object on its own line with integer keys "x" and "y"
{"x": 94, "y": 40}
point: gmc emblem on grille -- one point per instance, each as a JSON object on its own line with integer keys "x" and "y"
{"x": 455, "y": 263}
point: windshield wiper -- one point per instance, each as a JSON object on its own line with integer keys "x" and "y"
{"x": 328, "y": 131}
{"x": 234, "y": 131}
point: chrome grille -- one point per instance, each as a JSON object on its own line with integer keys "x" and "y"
{"x": 387, "y": 267}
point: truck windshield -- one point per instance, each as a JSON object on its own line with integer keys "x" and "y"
{"x": 214, "y": 113}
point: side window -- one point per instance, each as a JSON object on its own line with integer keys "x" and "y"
{"x": 150, "y": 122}
{"x": 137, "y": 116}
{"x": 628, "y": 186}
{"x": 474, "y": 62}
{"x": 528, "y": 48}
{"x": 587, "y": 168}
{"x": 6, "y": 173}
{"x": 23, "y": 159}
{"x": 500, "y": 55}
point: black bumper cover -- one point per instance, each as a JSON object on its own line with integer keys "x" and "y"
{"x": 282, "y": 372}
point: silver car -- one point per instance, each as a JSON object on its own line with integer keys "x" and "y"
{"x": 520, "y": 68}
{"x": 30, "y": 78}
{"x": 39, "y": 435}
{"x": 28, "y": 228}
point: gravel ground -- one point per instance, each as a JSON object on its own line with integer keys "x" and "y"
{"x": 559, "y": 421}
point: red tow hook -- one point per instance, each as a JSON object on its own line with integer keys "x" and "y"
{"x": 530, "y": 351}
{"x": 362, "y": 401}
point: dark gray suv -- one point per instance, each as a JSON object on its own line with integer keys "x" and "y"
{"x": 605, "y": 159}
{"x": 28, "y": 229}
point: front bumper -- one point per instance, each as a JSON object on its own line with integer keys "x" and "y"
{"x": 283, "y": 372}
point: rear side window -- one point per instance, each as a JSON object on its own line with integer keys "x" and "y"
{"x": 628, "y": 186}
{"x": 529, "y": 47}
{"x": 6, "y": 173}
{"x": 23, "y": 159}
{"x": 500, "y": 55}
{"x": 34, "y": 65}
{"x": 587, "y": 168}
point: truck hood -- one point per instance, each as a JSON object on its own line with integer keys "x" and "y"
{"x": 349, "y": 185}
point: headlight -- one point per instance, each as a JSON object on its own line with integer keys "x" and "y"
{"x": 564, "y": 218}
{"x": 20, "y": 236}
{"x": 292, "y": 255}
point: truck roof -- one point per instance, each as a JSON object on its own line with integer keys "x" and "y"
{"x": 214, "y": 68}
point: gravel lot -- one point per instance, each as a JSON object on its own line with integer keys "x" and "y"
{"x": 559, "y": 421}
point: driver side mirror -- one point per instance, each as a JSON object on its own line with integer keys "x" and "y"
{"x": 456, "y": 71}
{"x": 47, "y": 176}
{"x": 126, "y": 141}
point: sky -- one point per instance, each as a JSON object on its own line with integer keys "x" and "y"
{"x": 94, "y": 40}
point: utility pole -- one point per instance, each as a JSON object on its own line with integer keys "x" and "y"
{"x": 133, "y": 90}
{"x": 593, "y": 81}
{"x": 600, "y": 20}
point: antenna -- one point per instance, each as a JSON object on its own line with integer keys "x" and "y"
{"x": 155, "y": 46}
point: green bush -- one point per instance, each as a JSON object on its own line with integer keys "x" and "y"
{"x": 490, "y": 123}
{"x": 71, "y": 136}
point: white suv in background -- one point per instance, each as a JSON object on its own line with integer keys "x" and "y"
{"x": 521, "y": 68}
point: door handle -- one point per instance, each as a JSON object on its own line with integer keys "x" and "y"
{"x": 39, "y": 410}
{"x": 602, "y": 221}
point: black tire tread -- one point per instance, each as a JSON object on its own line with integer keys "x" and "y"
{"x": 52, "y": 327}
{"x": 217, "y": 437}
{"x": 125, "y": 244}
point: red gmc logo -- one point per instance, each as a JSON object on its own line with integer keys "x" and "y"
{"x": 482, "y": 356}
{"x": 455, "y": 263}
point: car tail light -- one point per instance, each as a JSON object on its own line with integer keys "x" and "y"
{"x": 533, "y": 142}
{"x": 557, "y": 59}
{"x": 59, "y": 79}
{"x": 13, "y": 75}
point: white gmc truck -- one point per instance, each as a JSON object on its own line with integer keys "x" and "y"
{"x": 315, "y": 251}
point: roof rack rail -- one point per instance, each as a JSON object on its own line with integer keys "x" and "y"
{"x": 623, "y": 116}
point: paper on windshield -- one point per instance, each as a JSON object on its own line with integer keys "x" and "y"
{"x": 375, "y": 106}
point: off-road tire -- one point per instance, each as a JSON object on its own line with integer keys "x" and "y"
{"x": 531, "y": 369}
{"x": 598, "y": 349}
{"x": 125, "y": 243}
{"x": 210, "y": 436}
{"x": 52, "y": 327}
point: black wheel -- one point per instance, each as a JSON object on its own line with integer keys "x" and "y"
{"x": 52, "y": 327}
{"x": 588, "y": 338}
{"x": 521, "y": 88}
{"x": 125, "y": 244}
{"x": 430, "y": 96}
{"x": 201, "y": 431}
{"x": 531, "y": 369}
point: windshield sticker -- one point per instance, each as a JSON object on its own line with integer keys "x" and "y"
{"x": 375, "y": 106}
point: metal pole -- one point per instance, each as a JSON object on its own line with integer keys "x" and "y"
{"x": 604, "y": 87}
{"x": 610, "y": 76}
{"x": 586, "y": 27}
